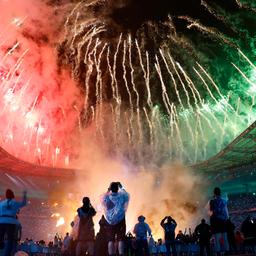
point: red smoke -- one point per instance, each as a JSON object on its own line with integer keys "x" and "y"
{"x": 38, "y": 102}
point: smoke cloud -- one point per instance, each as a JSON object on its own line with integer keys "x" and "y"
{"x": 43, "y": 109}
{"x": 154, "y": 192}
{"x": 38, "y": 101}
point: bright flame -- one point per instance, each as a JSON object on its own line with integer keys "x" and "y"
{"x": 60, "y": 222}
{"x": 55, "y": 215}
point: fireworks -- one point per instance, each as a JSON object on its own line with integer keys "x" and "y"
{"x": 148, "y": 90}
{"x": 34, "y": 105}
{"x": 163, "y": 103}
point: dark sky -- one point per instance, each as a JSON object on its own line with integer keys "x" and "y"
{"x": 133, "y": 13}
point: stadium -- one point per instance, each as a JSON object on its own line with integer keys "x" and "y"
{"x": 163, "y": 103}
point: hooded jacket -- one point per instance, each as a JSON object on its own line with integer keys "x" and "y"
{"x": 9, "y": 209}
{"x": 115, "y": 206}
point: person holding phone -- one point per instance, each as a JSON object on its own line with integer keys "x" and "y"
{"x": 86, "y": 233}
{"x": 115, "y": 203}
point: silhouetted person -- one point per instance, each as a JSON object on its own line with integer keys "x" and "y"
{"x": 141, "y": 231}
{"x": 180, "y": 241}
{"x": 130, "y": 244}
{"x": 8, "y": 220}
{"x": 169, "y": 225}
{"x": 17, "y": 237}
{"x": 86, "y": 235}
{"x": 247, "y": 227}
{"x": 203, "y": 233}
{"x": 101, "y": 243}
{"x": 231, "y": 235}
{"x": 73, "y": 242}
{"x": 115, "y": 203}
{"x": 218, "y": 221}
{"x": 66, "y": 245}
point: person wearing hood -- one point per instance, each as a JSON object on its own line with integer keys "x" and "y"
{"x": 115, "y": 203}
{"x": 86, "y": 233}
{"x": 141, "y": 230}
{"x": 9, "y": 208}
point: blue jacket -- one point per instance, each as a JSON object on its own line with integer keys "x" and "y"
{"x": 9, "y": 209}
{"x": 218, "y": 207}
{"x": 115, "y": 206}
{"x": 141, "y": 230}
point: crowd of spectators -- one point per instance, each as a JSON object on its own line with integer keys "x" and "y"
{"x": 241, "y": 233}
{"x": 242, "y": 202}
{"x": 240, "y": 207}
{"x": 37, "y": 222}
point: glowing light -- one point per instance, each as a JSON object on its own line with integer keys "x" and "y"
{"x": 41, "y": 129}
{"x": 31, "y": 119}
{"x": 8, "y": 97}
{"x": 60, "y": 222}
{"x": 55, "y": 215}
{"x": 57, "y": 151}
{"x": 67, "y": 160}
{"x": 252, "y": 89}
{"x": 175, "y": 116}
{"x": 17, "y": 21}
{"x": 10, "y": 136}
{"x": 206, "y": 107}
{"x": 221, "y": 105}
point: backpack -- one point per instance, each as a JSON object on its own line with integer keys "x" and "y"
{"x": 141, "y": 230}
{"x": 218, "y": 208}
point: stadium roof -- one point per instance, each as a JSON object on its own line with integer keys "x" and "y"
{"x": 239, "y": 157}
{"x": 240, "y": 153}
{"x": 38, "y": 180}
{"x": 9, "y": 163}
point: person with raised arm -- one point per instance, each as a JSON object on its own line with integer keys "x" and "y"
{"x": 169, "y": 225}
{"x": 86, "y": 233}
{"x": 115, "y": 203}
{"x": 9, "y": 208}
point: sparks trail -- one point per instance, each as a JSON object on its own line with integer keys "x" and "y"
{"x": 145, "y": 67}
{"x": 35, "y": 110}
{"x": 160, "y": 27}
{"x": 150, "y": 88}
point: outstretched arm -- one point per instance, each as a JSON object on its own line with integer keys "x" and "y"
{"x": 24, "y": 200}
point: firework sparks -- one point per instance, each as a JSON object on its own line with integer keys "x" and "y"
{"x": 143, "y": 102}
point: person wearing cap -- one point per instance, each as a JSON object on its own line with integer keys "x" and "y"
{"x": 115, "y": 203}
{"x": 86, "y": 233}
{"x": 9, "y": 208}
{"x": 141, "y": 230}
